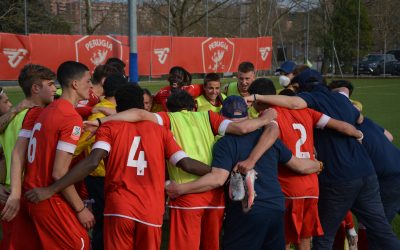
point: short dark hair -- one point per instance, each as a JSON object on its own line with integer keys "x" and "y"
{"x": 262, "y": 86}
{"x": 287, "y": 92}
{"x": 147, "y": 92}
{"x": 33, "y": 74}
{"x": 246, "y": 67}
{"x": 181, "y": 73}
{"x": 129, "y": 96}
{"x": 113, "y": 83}
{"x": 180, "y": 100}
{"x": 342, "y": 83}
{"x": 211, "y": 77}
{"x": 116, "y": 63}
{"x": 102, "y": 71}
{"x": 69, "y": 71}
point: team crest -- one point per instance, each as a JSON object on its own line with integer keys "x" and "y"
{"x": 94, "y": 50}
{"x": 76, "y": 133}
{"x": 217, "y": 54}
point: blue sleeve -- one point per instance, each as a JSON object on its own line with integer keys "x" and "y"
{"x": 224, "y": 154}
{"x": 309, "y": 99}
{"x": 284, "y": 153}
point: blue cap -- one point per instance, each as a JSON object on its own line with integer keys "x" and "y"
{"x": 287, "y": 67}
{"x": 234, "y": 104}
{"x": 307, "y": 77}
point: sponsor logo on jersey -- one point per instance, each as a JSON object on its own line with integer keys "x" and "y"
{"x": 76, "y": 133}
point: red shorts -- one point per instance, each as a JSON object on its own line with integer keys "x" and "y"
{"x": 301, "y": 219}
{"x": 195, "y": 228}
{"x": 57, "y": 225}
{"x": 122, "y": 233}
{"x": 20, "y": 232}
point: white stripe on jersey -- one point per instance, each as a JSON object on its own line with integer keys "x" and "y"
{"x": 177, "y": 156}
{"x": 102, "y": 145}
{"x": 323, "y": 121}
{"x": 159, "y": 119}
{"x": 131, "y": 218}
{"x": 24, "y": 133}
{"x": 222, "y": 127}
{"x": 65, "y": 146}
{"x": 191, "y": 208}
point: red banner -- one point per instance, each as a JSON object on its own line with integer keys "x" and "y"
{"x": 156, "y": 54}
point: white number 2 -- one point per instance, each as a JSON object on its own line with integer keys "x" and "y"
{"x": 32, "y": 143}
{"x": 141, "y": 162}
{"x": 301, "y": 141}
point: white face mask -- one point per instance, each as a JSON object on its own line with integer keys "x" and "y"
{"x": 284, "y": 81}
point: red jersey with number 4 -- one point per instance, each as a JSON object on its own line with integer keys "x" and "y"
{"x": 296, "y": 132}
{"x": 134, "y": 184}
{"x": 58, "y": 127}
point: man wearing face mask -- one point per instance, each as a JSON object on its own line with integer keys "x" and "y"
{"x": 286, "y": 73}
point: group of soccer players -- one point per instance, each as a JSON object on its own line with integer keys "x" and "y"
{"x": 57, "y": 184}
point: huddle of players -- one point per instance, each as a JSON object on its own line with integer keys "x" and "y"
{"x": 134, "y": 193}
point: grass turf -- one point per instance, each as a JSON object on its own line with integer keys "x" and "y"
{"x": 378, "y": 96}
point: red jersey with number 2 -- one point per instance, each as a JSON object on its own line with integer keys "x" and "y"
{"x": 296, "y": 132}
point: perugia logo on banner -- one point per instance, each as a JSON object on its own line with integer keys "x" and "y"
{"x": 15, "y": 56}
{"x": 217, "y": 54}
{"x": 94, "y": 50}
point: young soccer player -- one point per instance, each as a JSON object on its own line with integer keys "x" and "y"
{"x": 62, "y": 220}
{"x": 349, "y": 180}
{"x": 196, "y": 219}
{"x": 37, "y": 83}
{"x": 301, "y": 191}
{"x": 134, "y": 183}
{"x": 212, "y": 98}
{"x": 262, "y": 226}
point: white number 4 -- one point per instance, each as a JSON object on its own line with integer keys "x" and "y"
{"x": 141, "y": 162}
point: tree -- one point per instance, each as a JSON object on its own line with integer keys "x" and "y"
{"x": 40, "y": 18}
{"x": 183, "y": 14}
{"x": 92, "y": 23}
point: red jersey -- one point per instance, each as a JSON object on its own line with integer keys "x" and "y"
{"x": 29, "y": 121}
{"x": 134, "y": 183}
{"x": 58, "y": 127}
{"x": 84, "y": 107}
{"x": 296, "y": 132}
{"x": 161, "y": 97}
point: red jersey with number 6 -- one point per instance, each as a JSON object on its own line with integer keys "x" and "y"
{"x": 135, "y": 167}
{"x": 58, "y": 127}
{"x": 296, "y": 132}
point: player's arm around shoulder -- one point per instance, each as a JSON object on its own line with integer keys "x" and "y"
{"x": 265, "y": 142}
{"x": 216, "y": 178}
{"x": 304, "y": 166}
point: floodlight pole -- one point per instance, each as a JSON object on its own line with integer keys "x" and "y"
{"x": 133, "y": 56}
